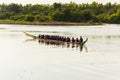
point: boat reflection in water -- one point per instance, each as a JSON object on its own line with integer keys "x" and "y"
{"x": 63, "y": 45}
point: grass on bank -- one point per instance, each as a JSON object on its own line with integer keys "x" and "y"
{"x": 48, "y": 23}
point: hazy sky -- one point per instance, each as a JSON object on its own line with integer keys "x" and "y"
{"x": 52, "y": 1}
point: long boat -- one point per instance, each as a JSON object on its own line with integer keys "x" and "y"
{"x": 56, "y": 41}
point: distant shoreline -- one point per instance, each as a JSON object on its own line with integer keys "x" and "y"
{"x": 50, "y": 23}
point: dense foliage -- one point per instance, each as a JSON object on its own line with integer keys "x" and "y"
{"x": 68, "y": 12}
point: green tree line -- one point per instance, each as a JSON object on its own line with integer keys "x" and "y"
{"x": 59, "y": 12}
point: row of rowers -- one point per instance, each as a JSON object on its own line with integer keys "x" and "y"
{"x": 61, "y": 38}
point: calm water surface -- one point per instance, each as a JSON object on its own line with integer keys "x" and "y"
{"x": 21, "y": 59}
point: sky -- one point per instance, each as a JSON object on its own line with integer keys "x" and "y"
{"x": 52, "y": 1}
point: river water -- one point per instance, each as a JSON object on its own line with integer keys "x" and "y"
{"x": 24, "y": 59}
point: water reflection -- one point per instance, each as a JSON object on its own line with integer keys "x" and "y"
{"x": 61, "y": 44}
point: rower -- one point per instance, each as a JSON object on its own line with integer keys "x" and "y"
{"x": 77, "y": 40}
{"x": 81, "y": 39}
{"x": 39, "y": 36}
{"x": 42, "y": 36}
{"x": 64, "y": 38}
{"x": 47, "y": 37}
{"x": 68, "y": 39}
{"x": 73, "y": 40}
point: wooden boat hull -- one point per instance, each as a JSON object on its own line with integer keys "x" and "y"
{"x": 56, "y": 41}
